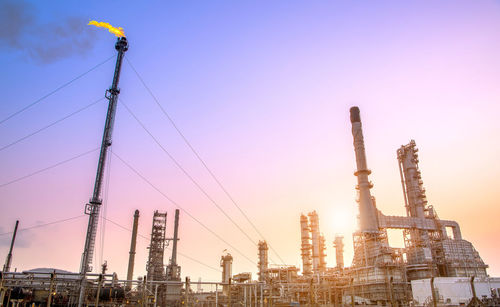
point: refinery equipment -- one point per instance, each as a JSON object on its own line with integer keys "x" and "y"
{"x": 338, "y": 243}
{"x": 173, "y": 270}
{"x": 93, "y": 207}
{"x": 306, "y": 247}
{"x": 435, "y": 264}
{"x": 174, "y": 288}
{"x": 226, "y": 263}
{"x": 377, "y": 272}
{"x": 8, "y": 260}
{"x": 133, "y": 243}
{"x": 313, "y": 254}
{"x": 155, "y": 267}
{"x": 430, "y": 251}
{"x": 263, "y": 263}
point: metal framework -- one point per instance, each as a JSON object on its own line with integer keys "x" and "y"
{"x": 93, "y": 207}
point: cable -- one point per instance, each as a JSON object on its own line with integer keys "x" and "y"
{"x": 51, "y": 124}
{"x": 54, "y": 91}
{"x": 178, "y": 206}
{"x": 195, "y": 152}
{"x": 186, "y": 173}
{"x": 104, "y": 212}
{"x": 47, "y": 168}
{"x": 146, "y": 238}
{"x": 46, "y": 224}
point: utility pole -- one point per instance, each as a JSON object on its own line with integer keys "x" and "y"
{"x": 93, "y": 207}
{"x": 8, "y": 261}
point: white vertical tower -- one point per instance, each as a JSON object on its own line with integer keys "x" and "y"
{"x": 315, "y": 238}
{"x": 306, "y": 246}
{"x": 367, "y": 212}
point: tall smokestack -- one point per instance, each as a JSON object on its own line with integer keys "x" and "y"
{"x": 367, "y": 212}
{"x": 176, "y": 233}
{"x": 173, "y": 270}
{"x": 6, "y": 267}
{"x": 131, "y": 257}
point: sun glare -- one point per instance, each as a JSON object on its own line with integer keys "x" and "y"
{"x": 343, "y": 221}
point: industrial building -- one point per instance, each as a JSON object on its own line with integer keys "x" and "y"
{"x": 434, "y": 268}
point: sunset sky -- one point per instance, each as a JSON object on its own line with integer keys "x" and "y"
{"x": 262, "y": 91}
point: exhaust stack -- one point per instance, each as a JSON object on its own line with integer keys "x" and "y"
{"x": 367, "y": 212}
{"x": 6, "y": 267}
{"x": 131, "y": 258}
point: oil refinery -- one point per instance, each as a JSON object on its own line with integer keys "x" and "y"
{"x": 436, "y": 266}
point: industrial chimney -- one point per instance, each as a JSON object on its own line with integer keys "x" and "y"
{"x": 6, "y": 267}
{"x": 131, "y": 258}
{"x": 367, "y": 212}
{"x": 174, "y": 270}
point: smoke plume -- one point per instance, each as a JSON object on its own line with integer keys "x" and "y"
{"x": 21, "y": 30}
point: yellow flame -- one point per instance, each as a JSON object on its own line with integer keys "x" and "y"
{"x": 116, "y": 31}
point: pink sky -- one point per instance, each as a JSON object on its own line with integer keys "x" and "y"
{"x": 263, "y": 93}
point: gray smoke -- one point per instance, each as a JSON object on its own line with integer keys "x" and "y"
{"x": 21, "y": 30}
{"x": 23, "y": 238}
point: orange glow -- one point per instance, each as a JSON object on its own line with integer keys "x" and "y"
{"x": 343, "y": 221}
{"x": 116, "y": 31}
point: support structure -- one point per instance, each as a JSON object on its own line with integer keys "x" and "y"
{"x": 131, "y": 257}
{"x": 93, "y": 207}
{"x": 263, "y": 263}
{"x": 8, "y": 260}
{"x": 154, "y": 267}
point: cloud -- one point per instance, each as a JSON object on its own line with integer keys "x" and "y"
{"x": 21, "y": 30}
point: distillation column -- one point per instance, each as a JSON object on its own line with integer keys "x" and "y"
{"x": 306, "y": 246}
{"x": 315, "y": 238}
{"x": 322, "y": 253}
{"x": 418, "y": 248}
{"x": 338, "y": 243}
{"x": 226, "y": 263}
{"x": 131, "y": 257}
{"x": 263, "y": 260}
